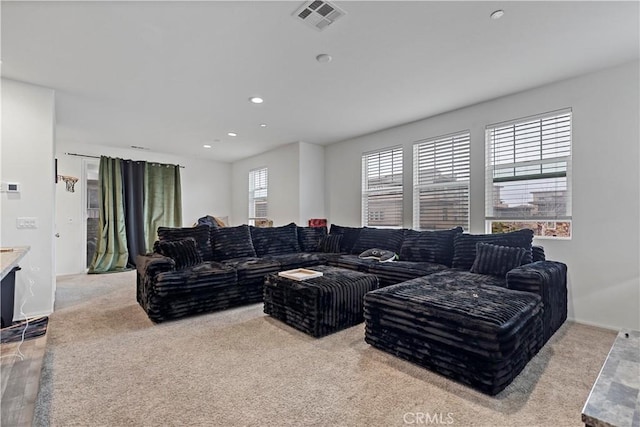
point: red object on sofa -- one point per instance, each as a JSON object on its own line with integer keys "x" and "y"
{"x": 318, "y": 222}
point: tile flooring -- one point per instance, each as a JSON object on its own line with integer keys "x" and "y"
{"x": 20, "y": 380}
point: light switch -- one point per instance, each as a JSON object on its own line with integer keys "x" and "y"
{"x": 26, "y": 222}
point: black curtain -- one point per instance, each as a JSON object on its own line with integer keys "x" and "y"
{"x": 133, "y": 174}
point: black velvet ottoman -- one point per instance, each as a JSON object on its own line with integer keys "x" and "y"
{"x": 480, "y": 335}
{"x": 321, "y": 305}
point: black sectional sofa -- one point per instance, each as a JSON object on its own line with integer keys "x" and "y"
{"x": 475, "y": 308}
{"x": 202, "y": 269}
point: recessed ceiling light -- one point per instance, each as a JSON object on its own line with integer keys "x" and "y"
{"x": 323, "y": 58}
{"x": 497, "y": 14}
{"x": 256, "y": 100}
{"x": 232, "y": 134}
{"x": 206, "y": 146}
{"x": 263, "y": 125}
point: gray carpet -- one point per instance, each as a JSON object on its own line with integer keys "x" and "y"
{"x": 107, "y": 364}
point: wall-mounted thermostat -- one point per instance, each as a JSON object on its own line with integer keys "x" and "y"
{"x": 10, "y": 187}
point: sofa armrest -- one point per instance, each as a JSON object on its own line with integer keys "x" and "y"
{"x": 549, "y": 280}
{"x": 152, "y": 264}
{"x": 148, "y": 267}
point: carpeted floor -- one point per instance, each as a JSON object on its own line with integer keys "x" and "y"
{"x": 107, "y": 364}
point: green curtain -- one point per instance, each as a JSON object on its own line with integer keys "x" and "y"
{"x": 163, "y": 199}
{"x": 111, "y": 248}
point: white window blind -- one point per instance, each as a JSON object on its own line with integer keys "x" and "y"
{"x": 258, "y": 186}
{"x": 528, "y": 177}
{"x": 441, "y": 182}
{"x": 382, "y": 188}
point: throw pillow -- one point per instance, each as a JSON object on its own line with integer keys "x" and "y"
{"x": 429, "y": 246}
{"x": 538, "y": 253}
{"x": 496, "y": 260}
{"x": 275, "y": 240}
{"x": 309, "y": 237}
{"x": 200, "y": 234}
{"x": 231, "y": 242}
{"x": 464, "y": 245}
{"x": 184, "y": 252}
{"x": 330, "y": 243}
{"x": 388, "y": 239}
{"x": 349, "y": 236}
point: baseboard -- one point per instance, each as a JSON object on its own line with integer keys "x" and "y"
{"x": 594, "y": 324}
{"x": 31, "y": 315}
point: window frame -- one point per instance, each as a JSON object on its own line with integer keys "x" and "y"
{"x": 396, "y": 154}
{"x": 255, "y": 185}
{"x": 554, "y": 163}
{"x": 459, "y": 143}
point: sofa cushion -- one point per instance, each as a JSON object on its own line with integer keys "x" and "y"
{"x": 390, "y": 273}
{"x": 352, "y": 262}
{"x": 388, "y": 239}
{"x": 330, "y": 243}
{"x": 231, "y": 242}
{"x": 251, "y": 270}
{"x": 200, "y": 234}
{"x": 349, "y": 236}
{"x": 464, "y": 245}
{"x": 429, "y": 246}
{"x": 309, "y": 238}
{"x": 298, "y": 260}
{"x": 496, "y": 260}
{"x": 184, "y": 252}
{"x": 275, "y": 240}
{"x": 455, "y": 278}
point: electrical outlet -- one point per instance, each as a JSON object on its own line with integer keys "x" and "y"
{"x": 26, "y": 222}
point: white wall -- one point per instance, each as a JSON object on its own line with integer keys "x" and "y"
{"x": 603, "y": 256}
{"x": 290, "y": 196}
{"x": 205, "y": 191}
{"x": 27, "y": 148}
{"x": 311, "y": 182}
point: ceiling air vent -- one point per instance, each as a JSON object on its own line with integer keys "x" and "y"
{"x": 319, "y": 14}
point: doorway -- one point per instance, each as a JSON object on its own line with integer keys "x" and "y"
{"x": 92, "y": 205}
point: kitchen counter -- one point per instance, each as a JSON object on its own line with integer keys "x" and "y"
{"x": 10, "y": 257}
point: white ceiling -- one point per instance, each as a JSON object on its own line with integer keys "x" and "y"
{"x": 172, "y": 76}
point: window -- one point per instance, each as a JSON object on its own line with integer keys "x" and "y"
{"x": 441, "y": 182}
{"x": 382, "y": 188}
{"x": 528, "y": 178}
{"x": 258, "y": 183}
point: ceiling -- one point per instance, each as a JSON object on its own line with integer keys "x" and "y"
{"x": 172, "y": 76}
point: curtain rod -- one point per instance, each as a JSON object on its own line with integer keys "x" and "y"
{"x": 97, "y": 157}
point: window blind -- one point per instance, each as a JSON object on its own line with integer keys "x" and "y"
{"x": 382, "y": 188}
{"x": 441, "y": 182}
{"x": 528, "y": 174}
{"x": 258, "y": 189}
